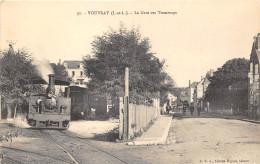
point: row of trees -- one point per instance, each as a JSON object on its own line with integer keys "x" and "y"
{"x": 117, "y": 49}
{"x": 228, "y": 85}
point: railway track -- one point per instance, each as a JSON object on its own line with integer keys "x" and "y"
{"x": 10, "y": 160}
{"x": 65, "y": 144}
{"x": 102, "y": 150}
{"x": 76, "y": 139}
{"x": 60, "y": 146}
{"x": 30, "y": 152}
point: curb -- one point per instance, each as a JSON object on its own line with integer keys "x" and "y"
{"x": 252, "y": 121}
{"x": 162, "y": 140}
{"x": 241, "y": 119}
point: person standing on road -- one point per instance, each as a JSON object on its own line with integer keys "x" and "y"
{"x": 168, "y": 108}
{"x": 199, "y": 110}
{"x": 184, "y": 108}
{"x": 191, "y": 108}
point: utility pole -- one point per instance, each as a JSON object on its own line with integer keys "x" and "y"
{"x": 126, "y": 107}
{"x": 0, "y": 107}
{"x": 126, "y": 81}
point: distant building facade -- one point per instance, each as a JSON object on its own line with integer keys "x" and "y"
{"x": 172, "y": 99}
{"x": 199, "y": 91}
{"x": 192, "y": 89}
{"x": 253, "y": 75}
{"x": 75, "y": 71}
{"x": 185, "y": 95}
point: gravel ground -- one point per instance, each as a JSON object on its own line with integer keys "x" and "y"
{"x": 90, "y": 129}
{"x": 32, "y": 146}
{"x": 190, "y": 140}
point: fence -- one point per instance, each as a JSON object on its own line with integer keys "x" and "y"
{"x": 139, "y": 117}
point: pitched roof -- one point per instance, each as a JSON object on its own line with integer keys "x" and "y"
{"x": 205, "y": 80}
{"x": 201, "y": 81}
{"x": 255, "y": 53}
{"x": 257, "y": 48}
{"x": 194, "y": 84}
{"x": 72, "y": 64}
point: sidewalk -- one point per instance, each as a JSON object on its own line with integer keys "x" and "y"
{"x": 156, "y": 134}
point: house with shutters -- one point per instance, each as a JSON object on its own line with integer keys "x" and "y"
{"x": 75, "y": 71}
{"x": 253, "y": 77}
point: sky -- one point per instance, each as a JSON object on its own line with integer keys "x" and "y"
{"x": 203, "y": 35}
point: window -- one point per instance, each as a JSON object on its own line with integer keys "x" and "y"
{"x": 256, "y": 69}
{"x": 73, "y": 73}
{"x": 81, "y": 73}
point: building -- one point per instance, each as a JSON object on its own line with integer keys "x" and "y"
{"x": 75, "y": 71}
{"x": 184, "y": 95}
{"x": 192, "y": 88}
{"x": 172, "y": 99}
{"x": 199, "y": 92}
{"x": 253, "y": 84}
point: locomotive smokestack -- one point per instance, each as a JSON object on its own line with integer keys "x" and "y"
{"x": 51, "y": 87}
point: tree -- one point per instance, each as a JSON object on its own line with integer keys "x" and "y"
{"x": 16, "y": 75}
{"x": 115, "y": 50}
{"x": 167, "y": 88}
{"x": 220, "y": 91}
{"x": 60, "y": 71}
{"x": 232, "y": 71}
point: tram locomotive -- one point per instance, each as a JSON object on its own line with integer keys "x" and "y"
{"x": 50, "y": 110}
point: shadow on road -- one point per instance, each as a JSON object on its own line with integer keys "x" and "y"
{"x": 110, "y": 136}
{"x": 181, "y": 115}
{"x": 187, "y": 115}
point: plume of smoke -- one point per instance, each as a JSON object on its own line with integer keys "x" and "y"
{"x": 20, "y": 119}
{"x": 44, "y": 69}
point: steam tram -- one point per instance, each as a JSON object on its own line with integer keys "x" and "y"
{"x": 50, "y": 110}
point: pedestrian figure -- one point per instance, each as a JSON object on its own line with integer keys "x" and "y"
{"x": 168, "y": 108}
{"x": 198, "y": 110}
{"x": 184, "y": 109}
{"x": 191, "y": 109}
{"x": 92, "y": 113}
{"x": 39, "y": 105}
